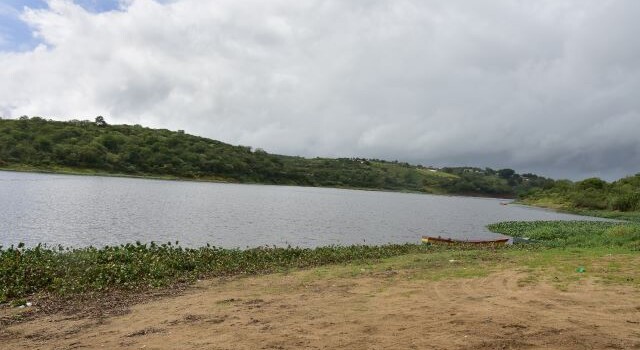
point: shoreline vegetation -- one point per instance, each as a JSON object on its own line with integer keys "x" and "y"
{"x": 90, "y": 172}
{"x": 631, "y": 216}
{"x": 618, "y": 200}
{"x": 26, "y": 273}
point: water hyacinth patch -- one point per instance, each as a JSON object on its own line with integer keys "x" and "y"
{"x": 580, "y": 234}
{"x": 25, "y": 271}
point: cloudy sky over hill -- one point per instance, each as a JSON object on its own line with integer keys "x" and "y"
{"x": 545, "y": 86}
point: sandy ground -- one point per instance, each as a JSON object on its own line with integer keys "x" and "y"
{"x": 384, "y": 310}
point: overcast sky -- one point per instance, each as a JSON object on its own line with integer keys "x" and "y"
{"x": 551, "y": 87}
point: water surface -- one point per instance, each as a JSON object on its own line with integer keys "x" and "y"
{"x": 91, "y": 210}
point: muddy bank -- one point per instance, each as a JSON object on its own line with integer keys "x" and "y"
{"x": 378, "y": 310}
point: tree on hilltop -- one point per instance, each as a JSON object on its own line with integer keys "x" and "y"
{"x": 100, "y": 121}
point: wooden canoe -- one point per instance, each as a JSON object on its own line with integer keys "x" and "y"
{"x": 442, "y": 240}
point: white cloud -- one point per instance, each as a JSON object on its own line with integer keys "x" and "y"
{"x": 548, "y": 86}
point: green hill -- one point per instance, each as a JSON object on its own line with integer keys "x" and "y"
{"x": 93, "y": 146}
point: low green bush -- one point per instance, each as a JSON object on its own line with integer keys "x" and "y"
{"x": 626, "y": 202}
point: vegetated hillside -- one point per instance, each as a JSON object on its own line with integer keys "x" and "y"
{"x": 592, "y": 194}
{"x": 36, "y": 143}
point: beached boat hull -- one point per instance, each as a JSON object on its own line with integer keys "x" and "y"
{"x": 442, "y": 240}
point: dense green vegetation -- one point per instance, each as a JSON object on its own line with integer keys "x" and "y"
{"x": 575, "y": 234}
{"x": 94, "y": 146}
{"x": 494, "y": 182}
{"x": 591, "y": 196}
{"x": 134, "y": 266}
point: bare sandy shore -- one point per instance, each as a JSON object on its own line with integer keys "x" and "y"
{"x": 381, "y": 310}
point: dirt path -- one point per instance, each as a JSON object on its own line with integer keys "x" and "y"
{"x": 375, "y": 311}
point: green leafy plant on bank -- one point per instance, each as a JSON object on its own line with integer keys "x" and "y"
{"x": 577, "y": 234}
{"x": 66, "y": 271}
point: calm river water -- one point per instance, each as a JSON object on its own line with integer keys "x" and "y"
{"x": 86, "y": 210}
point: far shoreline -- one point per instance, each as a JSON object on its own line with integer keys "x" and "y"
{"x": 89, "y": 172}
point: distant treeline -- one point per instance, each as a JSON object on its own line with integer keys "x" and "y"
{"x": 593, "y": 193}
{"x": 36, "y": 143}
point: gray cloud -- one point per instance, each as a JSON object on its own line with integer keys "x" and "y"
{"x": 545, "y": 86}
